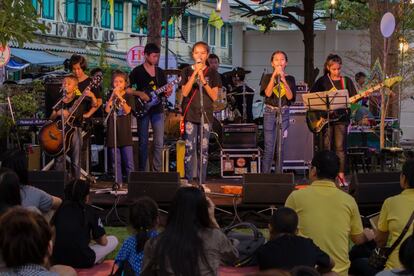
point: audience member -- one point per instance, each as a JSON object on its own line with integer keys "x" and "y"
{"x": 26, "y": 244}
{"x": 406, "y": 257}
{"x": 304, "y": 271}
{"x": 31, "y": 196}
{"x": 9, "y": 190}
{"x": 192, "y": 243}
{"x": 75, "y": 222}
{"x": 395, "y": 213}
{"x": 328, "y": 215}
{"x": 285, "y": 250}
{"x": 143, "y": 218}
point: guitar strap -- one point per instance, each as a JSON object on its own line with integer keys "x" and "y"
{"x": 343, "y": 83}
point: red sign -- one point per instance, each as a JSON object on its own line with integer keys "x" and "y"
{"x": 135, "y": 56}
{"x": 4, "y": 55}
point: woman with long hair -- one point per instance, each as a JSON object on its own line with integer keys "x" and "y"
{"x": 192, "y": 243}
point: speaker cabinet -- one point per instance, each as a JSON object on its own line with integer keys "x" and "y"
{"x": 267, "y": 188}
{"x": 373, "y": 188}
{"x": 52, "y": 182}
{"x": 298, "y": 146}
{"x": 160, "y": 186}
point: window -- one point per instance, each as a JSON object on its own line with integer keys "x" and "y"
{"x": 223, "y": 36}
{"x": 136, "y": 9}
{"x": 105, "y": 14}
{"x": 212, "y": 35}
{"x": 48, "y": 11}
{"x": 119, "y": 16}
{"x": 84, "y": 11}
{"x": 35, "y": 4}
{"x": 171, "y": 29}
{"x": 184, "y": 27}
{"x": 79, "y": 11}
{"x": 70, "y": 11}
{"x": 205, "y": 31}
{"x": 193, "y": 29}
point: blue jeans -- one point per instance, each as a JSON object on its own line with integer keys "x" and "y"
{"x": 270, "y": 135}
{"x": 192, "y": 143}
{"x": 157, "y": 123}
{"x": 124, "y": 156}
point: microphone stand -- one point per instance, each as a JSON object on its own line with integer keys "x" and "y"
{"x": 279, "y": 129}
{"x": 14, "y": 122}
{"x": 112, "y": 112}
{"x": 62, "y": 118}
{"x": 200, "y": 89}
{"x": 244, "y": 103}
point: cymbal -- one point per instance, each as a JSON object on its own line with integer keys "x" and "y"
{"x": 240, "y": 93}
{"x": 172, "y": 71}
{"x": 236, "y": 71}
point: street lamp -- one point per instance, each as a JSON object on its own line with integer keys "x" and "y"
{"x": 332, "y": 8}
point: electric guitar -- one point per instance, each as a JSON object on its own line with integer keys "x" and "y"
{"x": 142, "y": 107}
{"x": 318, "y": 119}
{"x": 51, "y": 135}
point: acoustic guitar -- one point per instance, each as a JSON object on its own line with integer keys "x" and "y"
{"x": 51, "y": 135}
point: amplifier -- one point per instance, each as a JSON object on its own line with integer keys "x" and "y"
{"x": 236, "y": 162}
{"x": 242, "y": 136}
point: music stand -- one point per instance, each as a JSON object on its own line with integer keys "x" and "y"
{"x": 326, "y": 102}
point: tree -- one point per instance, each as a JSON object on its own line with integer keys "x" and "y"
{"x": 304, "y": 9}
{"x": 18, "y": 21}
{"x": 156, "y": 14}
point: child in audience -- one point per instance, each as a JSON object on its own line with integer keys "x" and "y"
{"x": 30, "y": 196}
{"x": 285, "y": 250}
{"x": 143, "y": 218}
{"x": 26, "y": 245}
{"x": 76, "y": 222}
{"x": 9, "y": 190}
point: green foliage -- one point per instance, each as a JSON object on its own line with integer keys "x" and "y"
{"x": 26, "y": 102}
{"x": 265, "y": 23}
{"x": 141, "y": 20}
{"x": 18, "y": 21}
{"x": 353, "y": 15}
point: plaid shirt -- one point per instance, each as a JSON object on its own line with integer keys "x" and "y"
{"x": 29, "y": 270}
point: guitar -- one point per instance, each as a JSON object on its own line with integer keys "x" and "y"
{"x": 142, "y": 107}
{"x": 317, "y": 119}
{"x": 50, "y": 135}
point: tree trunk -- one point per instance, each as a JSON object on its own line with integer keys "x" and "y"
{"x": 154, "y": 22}
{"x": 308, "y": 41}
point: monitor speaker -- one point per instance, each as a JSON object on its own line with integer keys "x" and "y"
{"x": 374, "y": 188}
{"x": 52, "y": 182}
{"x": 160, "y": 186}
{"x": 267, "y": 188}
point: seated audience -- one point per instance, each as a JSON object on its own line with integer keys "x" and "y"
{"x": 31, "y": 196}
{"x": 395, "y": 213}
{"x": 143, "y": 219}
{"x": 26, "y": 244}
{"x": 75, "y": 223}
{"x": 285, "y": 250}
{"x": 9, "y": 190}
{"x": 406, "y": 257}
{"x": 192, "y": 242}
{"x": 328, "y": 215}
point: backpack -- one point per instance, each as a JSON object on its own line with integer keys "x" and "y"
{"x": 248, "y": 244}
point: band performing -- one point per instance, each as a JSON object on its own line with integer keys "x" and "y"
{"x": 206, "y": 102}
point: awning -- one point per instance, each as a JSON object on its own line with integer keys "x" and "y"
{"x": 13, "y": 65}
{"x": 39, "y": 58}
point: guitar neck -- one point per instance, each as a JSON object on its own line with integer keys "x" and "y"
{"x": 364, "y": 94}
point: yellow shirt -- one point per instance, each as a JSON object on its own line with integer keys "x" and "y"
{"x": 328, "y": 216}
{"x": 394, "y": 215}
